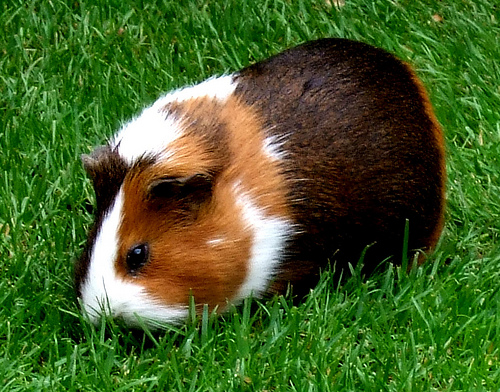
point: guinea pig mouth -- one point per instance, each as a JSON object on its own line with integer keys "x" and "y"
{"x": 136, "y": 309}
{"x": 137, "y": 257}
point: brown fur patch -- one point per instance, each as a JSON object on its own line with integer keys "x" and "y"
{"x": 364, "y": 153}
{"x": 206, "y": 254}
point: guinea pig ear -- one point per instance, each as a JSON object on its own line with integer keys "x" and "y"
{"x": 93, "y": 161}
{"x": 196, "y": 188}
{"x": 107, "y": 171}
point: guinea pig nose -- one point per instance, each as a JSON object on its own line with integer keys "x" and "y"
{"x": 137, "y": 257}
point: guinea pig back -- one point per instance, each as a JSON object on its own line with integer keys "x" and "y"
{"x": 248, "y": 182}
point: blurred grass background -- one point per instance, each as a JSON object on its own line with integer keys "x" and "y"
{"x": 72, "y": 71}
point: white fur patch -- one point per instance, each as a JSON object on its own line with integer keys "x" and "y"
{"x": 154, "y": 130}
{"x": 219, "y": 88}
{"x": 273, "y": 148}
{"x": 104, "y": 293}
{"x": 147, "y": 136}
{"x": 216, "y": 241}
{"x": 269, "y": 239}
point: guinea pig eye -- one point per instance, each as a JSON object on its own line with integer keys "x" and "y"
{"x": 137, "y": 257}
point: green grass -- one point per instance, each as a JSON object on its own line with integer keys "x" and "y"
{"x": 72, "y": 71}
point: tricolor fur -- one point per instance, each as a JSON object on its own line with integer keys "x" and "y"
{"x": 248, "y": 182}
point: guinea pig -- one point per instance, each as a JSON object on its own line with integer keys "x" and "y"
{"x": 250, "y": 182}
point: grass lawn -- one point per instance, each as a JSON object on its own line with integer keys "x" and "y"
{"x": 72, "y": 71}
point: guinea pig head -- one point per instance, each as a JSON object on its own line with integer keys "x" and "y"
{"x": 190, "y": 201}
